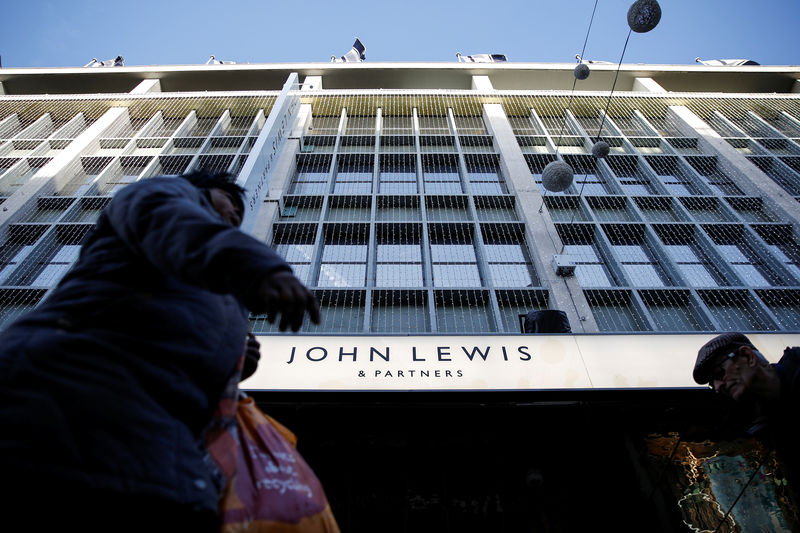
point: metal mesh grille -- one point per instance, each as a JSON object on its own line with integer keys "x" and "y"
{"x": 399, "y": 213}
{"x": 71, "y": 155}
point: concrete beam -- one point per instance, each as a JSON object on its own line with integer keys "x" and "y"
{"x": 541, "y": 234}
{"x": 482, "y": 83}
{"x": 748, "y": 177}
{"x": 48, "y": 179}
{"x": 647, "y": 85}
{"x": 147, "y": 86}
{"x": 312, "y": 83}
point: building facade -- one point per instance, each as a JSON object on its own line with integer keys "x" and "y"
{"x": 410, "y": 198}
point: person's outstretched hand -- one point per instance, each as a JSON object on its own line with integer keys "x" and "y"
{"x": 282, "y": 293}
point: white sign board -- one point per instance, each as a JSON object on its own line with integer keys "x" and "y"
{"x": 472, "y": 362}
{"x": 257, "y": 170}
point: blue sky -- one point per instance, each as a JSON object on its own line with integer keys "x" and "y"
{"x": 64, "y": 33}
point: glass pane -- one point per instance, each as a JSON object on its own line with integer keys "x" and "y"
{"x": 453, "y": 253}
{"x": 392, "y": 275}
{"x": 632, "y": 253}
{"x": 582, "y": 253}
{"x": 339, "y": 253}
{"x": 398, "y": 187}
{"x": 486, "y": 188}
{"x": 681, "y": 253}
{"x": 443, "y": 188}
{"x": 456, "y": 276}
{"x": 750, "y": 275}
{"x": 697, "y": 275}
{"x": 51, "y": 274}
{"x": 592, "y": 276}
{"x": 643, "y": 275}
{"x": 302, "y": 271}
{"x": 353, "y": 188}
{"x": 504, "y": 253}
{"x": 511, "y": 275}
{"x": 395, "y": 253}
{"x": 732, "y": 253}
{"x": 295, "y": 253}
{"x": 342, "y": 275}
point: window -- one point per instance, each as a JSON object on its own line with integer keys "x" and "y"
{"x": 398, "y": 208}
{"x": 588, "y": 180}
{"x": 496, "y": 208}
{"x": 398, "y": 175}
{"x": 397, "y": 125}
{"x": 523, "y": 126}
{"x": 321, "y": 125}
{"x": 360, "y": 125}
{"x": 714, "y": 177}
{"x": 637, "y": 258}
{"x": 673, "y": 311}
{"x": 399, "y": 256}
{"x": 694, "y": 265}
{"x": 615, "y": 311}
{"x": 742, "y": 257}
{"x": 706, "y": 209}
{"x": 781, "y": 242}
{"x": 57, "y": 265}
{"x": 590, "y": 265}
{"x": 536, "y": 164}
{"x": 400, "y": 312}
{"x": 611, "y": 208}
{"x": 463, "y": 311}
{"x": 440, "y": 175}
{"x": 433, "y": 125}
{"x": 675, "y": 179}
{"x": 344, "y": 256}
{"x": 632, "y": 179}
{"x": 349, "y": 208}
{"x": 311, "y": 176}
{"x": 507, "y": 255}
{"x": 659, "y": 209}
{"x": 447, "y": 208}
{"x": 484, "y": 175}
{"x": 353, "y": 175}
{"x": 295, "y": 243}
{"x": 470, "y": 125}
{"x": 736, "y": 310}
{"x": 453, "y": 256}
{"x": 318, "y": 144}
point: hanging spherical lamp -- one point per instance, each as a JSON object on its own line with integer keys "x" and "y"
{"x": 600, "y": 149}
{"x": 581, "y": 71}
{"x": 644, "y": 15}
{"x": 557, "y": 176}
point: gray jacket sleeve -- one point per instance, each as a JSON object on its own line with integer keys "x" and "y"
{"x": 172, "y": 225}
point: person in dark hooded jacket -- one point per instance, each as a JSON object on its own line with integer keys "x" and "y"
{"x": 107, "y": 386}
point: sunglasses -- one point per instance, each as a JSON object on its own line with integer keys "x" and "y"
{"x": 718, "y": 372}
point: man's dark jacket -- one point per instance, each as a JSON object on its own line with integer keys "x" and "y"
{"x": 108, "y": 385}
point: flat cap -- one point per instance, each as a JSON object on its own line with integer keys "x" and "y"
{"x": 708, "y": 353}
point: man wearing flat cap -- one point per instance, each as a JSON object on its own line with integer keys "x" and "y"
{"x": 732, "y": 366}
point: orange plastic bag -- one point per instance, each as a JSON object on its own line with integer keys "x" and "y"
{"x": 273, "y": 489}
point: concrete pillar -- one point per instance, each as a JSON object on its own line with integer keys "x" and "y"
{"x": 46, "y": 180}
{"x": 647, "y": 85}
{"x": 147, "y": 86}
{"x": 482, "y": 83}
{"x": 3, "y": 89}
{"x": 748, "y": 177}
{"x": 543, "y": 240}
